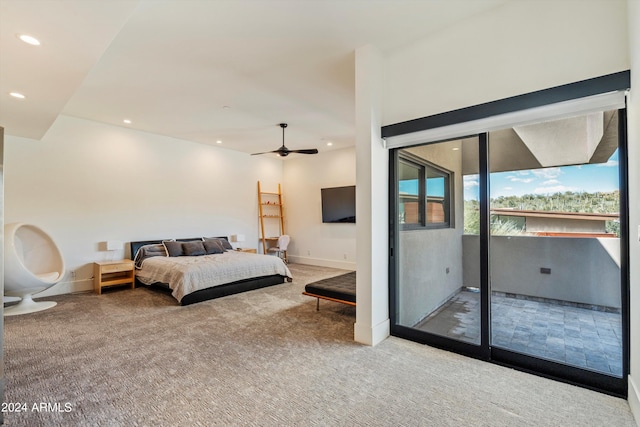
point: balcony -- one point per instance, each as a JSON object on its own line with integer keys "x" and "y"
{"x": 556, "y": 298}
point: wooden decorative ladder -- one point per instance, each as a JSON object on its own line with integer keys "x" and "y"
{"x": 271, "y": 207}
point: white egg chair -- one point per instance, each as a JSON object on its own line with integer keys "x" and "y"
{"x": 32, "y": 263}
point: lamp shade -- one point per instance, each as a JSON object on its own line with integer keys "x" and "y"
{"x": 114, "y": 245}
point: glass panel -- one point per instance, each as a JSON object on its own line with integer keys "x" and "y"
{"x": 472, "y": 204}
{"x": 437, "y": 185}
{"x": 408, "y": 193}
{"x": 555, "y": 242}
{"x": 437, "y": 282}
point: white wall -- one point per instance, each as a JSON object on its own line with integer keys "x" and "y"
{"x": 372, "y": 178}
{"x": 313, "y": 242}
{"x": 521, "y": 47}
{"x": 86, "y": 182}
{"x": 633, "y": 134}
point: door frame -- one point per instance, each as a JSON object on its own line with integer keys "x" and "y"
{"x": 565, "y": 373}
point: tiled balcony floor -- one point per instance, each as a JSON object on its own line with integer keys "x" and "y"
{"x": 576, "y": 336}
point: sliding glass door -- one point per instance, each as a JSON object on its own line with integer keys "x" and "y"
{"x": 510, "y": 246}
{"x": 555, "y": 245}
{"x": 438, "y": 269}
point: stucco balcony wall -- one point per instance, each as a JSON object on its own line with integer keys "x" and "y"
{"x": 582, "y": 270}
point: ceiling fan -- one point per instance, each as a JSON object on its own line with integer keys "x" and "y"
{"x": 284, "y": 151}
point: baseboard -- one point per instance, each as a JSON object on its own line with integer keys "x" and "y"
{"x": 634, "y": 399}
{"x": 345, "y": 265}
{"x": 366, "y": 334}
{"x": 67, "y": 288}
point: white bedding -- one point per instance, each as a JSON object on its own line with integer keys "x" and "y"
{"x": 187, "y": 274}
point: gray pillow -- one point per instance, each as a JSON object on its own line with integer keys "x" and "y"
{"x": 148, "y": 251}
{"x": 173, "y": 248}
{"x": 224, "y": 242}
{"x": 195, "y": 248}
{"x": 213, "y": 247}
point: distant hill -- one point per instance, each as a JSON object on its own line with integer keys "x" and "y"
{"x": 600, "y": 202}
{"x": 569, "y": 201}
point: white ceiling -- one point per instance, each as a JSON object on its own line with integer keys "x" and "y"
{"x": 172, "y": 66}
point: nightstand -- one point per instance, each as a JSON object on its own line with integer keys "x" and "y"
{"x": 248, "y": 250}
{"x": 113, "y": 273}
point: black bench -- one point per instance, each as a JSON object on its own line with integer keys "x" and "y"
{"x": 340, "y": 289}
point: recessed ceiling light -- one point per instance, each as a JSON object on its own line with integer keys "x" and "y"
{"x": 29, "y": 39}
{"x": 17, "y": 95}
{"x": 218, "y": 142}
{"x": 455, "y": 148}
{"x": 329, "y": 143}
{"x": 127, "y": 121}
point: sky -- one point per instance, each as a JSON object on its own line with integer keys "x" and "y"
{"x": 588, "y": 178}
{"x": 435, "y": 187}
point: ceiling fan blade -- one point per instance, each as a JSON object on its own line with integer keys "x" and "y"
{"x": 284, "y": 151}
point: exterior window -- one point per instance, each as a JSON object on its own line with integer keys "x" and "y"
{"x": 437, "y": 204}
{"x": 424, "y": 194}
{"x": 410, "y": 176}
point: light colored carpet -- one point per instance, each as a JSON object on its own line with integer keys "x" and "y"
{"x": 265, "y": 357}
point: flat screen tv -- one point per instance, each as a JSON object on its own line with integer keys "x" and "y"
{"x": 339, "y": 204}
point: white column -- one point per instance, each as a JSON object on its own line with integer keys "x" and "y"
{"x": 633, "y": 135}
{"x": 372, "y": 182}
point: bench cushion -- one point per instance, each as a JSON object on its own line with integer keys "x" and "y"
{"x": 340, "y": 287}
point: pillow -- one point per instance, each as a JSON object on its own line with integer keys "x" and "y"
{"x": 224, "y": 242}
{"x": 213, "y": 247}
{"x": 195, "y": 248}
{"x": 173, "y": 248}
{"x": 148, "y": 251}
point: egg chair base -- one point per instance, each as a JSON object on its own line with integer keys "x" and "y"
{"x": 28, "y": 305}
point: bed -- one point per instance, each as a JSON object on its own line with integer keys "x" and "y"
{"x": 193, "y": 276}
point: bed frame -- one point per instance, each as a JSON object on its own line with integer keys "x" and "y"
{"x": 215, "y": 291}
